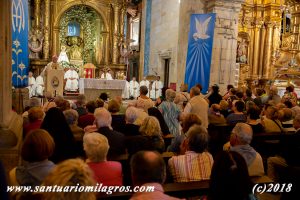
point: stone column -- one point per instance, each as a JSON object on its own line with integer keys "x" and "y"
{"x": 37, "y": 13}
{"x": 223, "y": 63}
{"x": 268, "y": 51}
{"x": 46, "y": 30}
{"x": 5, "y": 62}
{"x": 116, "y": 33}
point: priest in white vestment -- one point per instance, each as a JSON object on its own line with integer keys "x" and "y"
{"x": 134, "y": 88}
{"x": 52, "y": 65}
{"x": 31, "y": 85}
{"x": 146, "y": 83}
{"x": 39, "y": 86}
{"x": 125, "y": 93}
{"x": 107, "y": 76}
{"x": 156, "y": 88}
{"x": 72, "y": 80}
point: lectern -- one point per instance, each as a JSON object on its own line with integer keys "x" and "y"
{"x": 55, "y": 82}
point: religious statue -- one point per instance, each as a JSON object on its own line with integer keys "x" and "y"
{"x": 35, "y": 44}
{"x": 63, "y": 55}
{"x": 76, "y": 52}
{"x": 242, "y": 52}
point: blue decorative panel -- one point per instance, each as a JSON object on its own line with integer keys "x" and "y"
{"x": 147, "y": 37}
{"x": 20, "y": 60}
{"x": 199, "y": 52}
{"x": 73, "y": 29}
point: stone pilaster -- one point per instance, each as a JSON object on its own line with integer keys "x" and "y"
{"x": 223, "y": 65}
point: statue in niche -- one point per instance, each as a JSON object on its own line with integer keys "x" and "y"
{"x": 75, "y": 49}
{"x": 242, "y": 52}
{"x": 63, "y": 55}
{"x": 35, "y": 44}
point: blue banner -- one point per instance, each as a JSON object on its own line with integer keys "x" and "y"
{"x": 199, "y": 52}
{"x": 20, "y": 59}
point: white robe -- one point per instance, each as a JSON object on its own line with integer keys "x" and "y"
{"x": 71, "y": 85}
{"x": 156, "y": 89}
{"x": 106, "y": 76}
{"x": 39, "y": 86}
{"x": 31, "y": 86}
{"x": 147, "y": 84}
{"x": 125, "y": 93}
{"x": 63, "y": 57}
{"x": 134, "y": 89}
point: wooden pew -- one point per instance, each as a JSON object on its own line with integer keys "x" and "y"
{"x": 184, "y": 190}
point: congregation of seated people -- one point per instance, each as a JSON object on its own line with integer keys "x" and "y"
{"x": 150, "y": 142}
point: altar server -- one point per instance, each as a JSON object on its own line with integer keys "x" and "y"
{"x": 31, "y": 85}
{"x": 39, "y": 86}
{"x": 106, "y": 75}
{"x": 156, "y": 88}
{"x": 146, "y": 83}
{"x": 72, "y": 80}
{"x": 125, "y": 94}
{"x": 134, "y": 88}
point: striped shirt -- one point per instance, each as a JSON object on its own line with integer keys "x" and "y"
{"x": 191, "y": 166}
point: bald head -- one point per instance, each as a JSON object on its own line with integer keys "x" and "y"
{"x": 147, "y": 167}
{"x": 243, "y": 133}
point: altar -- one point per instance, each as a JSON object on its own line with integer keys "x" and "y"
{"x": 92, "y": 88}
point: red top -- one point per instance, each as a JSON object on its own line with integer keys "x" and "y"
{"x": 85, "y": 120}
{"x": 32, "y": 126}
{"x": 109, "y": 173}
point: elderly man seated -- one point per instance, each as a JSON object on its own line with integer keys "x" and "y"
{"x": 196, "y": 163}
{"x": 116, "y": 139}
{"x": 130, "y": 128}
{"x": 148, "y": 169}
{"x": 109, "y": 173}
{"x": 240, "y": 139}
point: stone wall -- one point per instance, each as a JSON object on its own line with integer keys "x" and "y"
{"x": 164, "y": 36}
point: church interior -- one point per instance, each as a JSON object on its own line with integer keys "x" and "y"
{"x": 200, "y": 98}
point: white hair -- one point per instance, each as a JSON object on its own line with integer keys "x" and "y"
{"x": 102, "y": 117}
{"x": 170, "y": 95}
{"x": 71, "y": 116}
{"x": 131, "y": 115}
{"x": 244, "y": 132}
{"x": 95, "y": 146}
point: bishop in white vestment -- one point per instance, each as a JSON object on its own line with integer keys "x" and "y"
{"x": 31, "y": 85}
{"x": 156, "y": 89}
{"x": 134, "y": 88}
{"x": 146, "y": 83}
{"x": 72, "y": 80}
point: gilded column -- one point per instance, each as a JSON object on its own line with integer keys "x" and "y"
{"x": 276, "y": 43}
{"x": 256, "y": 50}
{"x": 105, "y": 47}
{"x": 46, "y": 30}
{"x": 268, "y": 51}
{"x": 123, "y": 12}
{"x": 55, "y": 47}
{"x": 37, "y": 13}
{"x": 116, "y": 34}
{"x": 262, "y": 53}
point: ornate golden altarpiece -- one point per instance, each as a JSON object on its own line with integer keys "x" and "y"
{"x": 46, "y": 21}
{"x": 260, "y": 28}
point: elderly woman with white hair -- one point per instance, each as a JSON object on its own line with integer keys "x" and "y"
{"x": 171, "y": 112}
{"x": 116, "y": 139}
{"x": 96, "y": 147}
